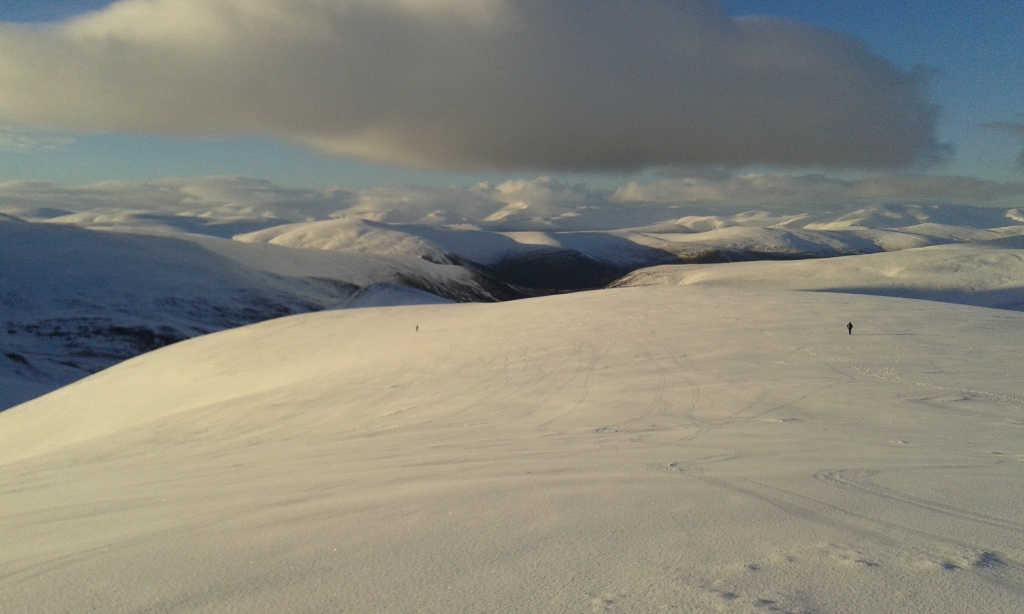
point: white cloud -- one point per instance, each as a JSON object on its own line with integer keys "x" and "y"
{"x": 474, "y": 84}
{"x": 216, "y": 198}
{"x": 544, "y": 203}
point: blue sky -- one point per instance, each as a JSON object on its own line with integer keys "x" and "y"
{"x": 976, "y": 50}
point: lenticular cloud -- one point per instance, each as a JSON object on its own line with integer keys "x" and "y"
{"x": 475, "y": 84}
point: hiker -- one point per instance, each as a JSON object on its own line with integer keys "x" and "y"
{"x": 849, "y": 327}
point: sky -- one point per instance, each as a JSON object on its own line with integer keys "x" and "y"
{"x": 362, "y": 93}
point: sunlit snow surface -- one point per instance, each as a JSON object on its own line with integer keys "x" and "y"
{"x": 706, "y": 438}
{"x": 636, "y": 450}
{"x": 985, "y": 275}
{"x": 76, "y": 300}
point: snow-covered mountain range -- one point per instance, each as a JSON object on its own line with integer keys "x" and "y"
{"x": 575, "y": 260}
{"x": 706, "y": 435}
{"x": 84, "y": 290}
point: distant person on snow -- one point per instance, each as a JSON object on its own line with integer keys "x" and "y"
{"x": 849, "y": 327}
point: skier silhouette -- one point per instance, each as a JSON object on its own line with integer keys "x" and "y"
{"x": 849, "y": 327}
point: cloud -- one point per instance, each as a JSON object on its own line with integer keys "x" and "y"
{"x": 476, "y": 84}
{"x": 231, "y": 198}
{"x": 212, "y": 205}
{"x": 410, "y": 204}
{"x": 215, "y": 198}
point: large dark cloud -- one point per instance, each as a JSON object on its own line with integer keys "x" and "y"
{"x": 476, "y": 84}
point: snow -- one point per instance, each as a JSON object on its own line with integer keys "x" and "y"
{"x": 76, "y": 301}
{"x": 142, "y": 221}
{"x": 367, "y": 236}
{"x": 750, "y": 234}
{"x": 347, "y": 234}
{"x": 702, "y": 438}
{"x": 777, "y": 241}
{"x": 646, "y": 449}
{"x": 390, "y": 295}
{"x": 985, "y": 275}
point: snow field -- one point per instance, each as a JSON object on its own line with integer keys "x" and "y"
{"x": 634, "y": 450}
{"x": 975, "y": 274}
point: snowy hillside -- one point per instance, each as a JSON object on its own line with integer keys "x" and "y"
{"x": 986, "y": 274}
{"x": 75, "y": 301}
{"x": 534, "y": 234}
{"x": 538, "y": 234}
{"x": 389, "y": 295}
{"x": 551, "y": 261}
{"x": 655, "y": 449}
{"x": 563, "y": 260}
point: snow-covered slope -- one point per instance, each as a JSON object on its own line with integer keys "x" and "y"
{"x": 527, "y": 258}
{"x": 78, "y": 301}
{"x": 348, "y": 235}
{"x": 986, "y": 274}
{"x": 389, "y": 295}
{"x": 117, "y": 219}
{"x": 546, "y": 261}
{"x": 75, "y": 301}
{"x": 657, "y": 449}
{"x": 579, "y": 244}
{"x": 627, "y": 248}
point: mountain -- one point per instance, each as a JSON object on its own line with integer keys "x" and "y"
{"x": 579, "y": 260}
{"x": 76, "y": 301}
{"x": 650, "y": 449}
{"x": 543, "y": 261}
